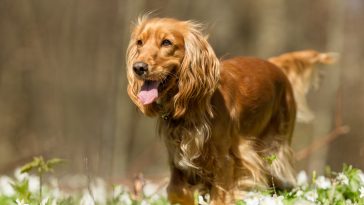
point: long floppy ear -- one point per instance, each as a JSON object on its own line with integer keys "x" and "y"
{"x": 198, "y": 76}
{"x": 131, "y": 54}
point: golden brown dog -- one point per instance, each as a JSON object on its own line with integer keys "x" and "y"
{"x": 219, "y": 120}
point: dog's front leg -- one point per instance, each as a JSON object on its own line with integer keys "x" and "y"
{"x": 179, "y": 191}
{"x": 221, "y": 190}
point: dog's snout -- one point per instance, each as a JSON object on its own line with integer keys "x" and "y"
{"x": 140, "y": 68}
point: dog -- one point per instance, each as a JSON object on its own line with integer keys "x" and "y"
{"x": 220, "y": 120}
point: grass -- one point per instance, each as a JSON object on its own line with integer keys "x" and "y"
{"x": 26, "y": 188}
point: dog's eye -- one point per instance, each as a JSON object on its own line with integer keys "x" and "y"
{"x": 166, "y": 42}
{"x": 139, "y": 42}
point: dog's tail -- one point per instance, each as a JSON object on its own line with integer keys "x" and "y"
{"x": 301, "y": 70}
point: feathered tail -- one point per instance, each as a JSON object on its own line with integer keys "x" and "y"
{"x": 303, "y": 73}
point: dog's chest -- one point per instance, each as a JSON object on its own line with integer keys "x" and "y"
{"x": 189, "y": 149}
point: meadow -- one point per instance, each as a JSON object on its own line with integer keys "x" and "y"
{"x": 33, "y": 184}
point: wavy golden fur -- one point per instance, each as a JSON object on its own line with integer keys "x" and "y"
{"x": 219, "y": 119}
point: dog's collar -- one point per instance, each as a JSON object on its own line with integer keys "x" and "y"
{"x": 165, "y": 115}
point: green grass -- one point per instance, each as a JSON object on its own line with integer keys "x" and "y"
{"x": 343, "y": 188}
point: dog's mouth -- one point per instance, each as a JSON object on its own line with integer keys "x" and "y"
{"x": 151, "y": 90}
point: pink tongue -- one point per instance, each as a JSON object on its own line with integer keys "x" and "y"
{"x": 148, "y": 92}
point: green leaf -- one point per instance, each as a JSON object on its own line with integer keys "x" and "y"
{"x": 22, "y": 189}
{"x": 53, "y": 162}
{"x": 241, "y": 202}
{"x": 270, "y": 159}
{"x": 26, "y": 168}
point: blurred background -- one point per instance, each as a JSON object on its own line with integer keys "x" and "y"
{"x": 63, "y": 82}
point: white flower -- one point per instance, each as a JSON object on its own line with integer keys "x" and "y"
{"x": 54, "y": 202}
{"x": 55, "y": 191}
{"x": 125, "y": 199}
{"x": 149, "y": 189}
{"x": 323, "y": 182}
{"x": 361, "y": 177}
{"x": 303, "y": 202}
{"x": 98, "y": 191}
{"x": 33, "y": 184}
{"x": 98, "y": 188}
{"x": 361, "y": 191}
{"x": 274, "y": 200}
{"x": 144, "y": 202}
{"x": 252, "y": 198}
{"x": 349, "y": 202}
{"x": 118, "y": 190}
{"x": 44, "y": 201}
{"x": 302, "y": 178}
{"x": 5, "y": 186}
{"x": 299, "y": 193}
{"x": 18, "y": 202}
{"x": 343, "y": 179}
{"x": 202, "y": 201}
{"x": 154, "y": 197}
{"x": 311, "y": 196}
{"x": 252, "y": 201}
{"x": 20, "y": 176}
{"x": 87, "y": 199}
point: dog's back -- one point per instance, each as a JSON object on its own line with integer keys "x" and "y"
{"x": 254, "y": 90}
{"x": 259, "y": 100}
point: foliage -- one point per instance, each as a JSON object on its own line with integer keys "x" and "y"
{"x": 40, "y": 165}
{"x": 342, "y": 188}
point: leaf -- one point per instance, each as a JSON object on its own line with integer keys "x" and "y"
{"x": 270, "y": 159}
{"x": 22, "y": 189}
{"x": 55, "y": 161}
{"x": 29, "y": 166}
{"x": 241, "y": 202}
{"x": 26, "y": 168}
{"x": 314, "y": 176}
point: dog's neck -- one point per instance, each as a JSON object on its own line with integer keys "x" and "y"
{"x": 185, "y": 148}
{"x": 165, "y": 116}
{"x": 164, "y": 112}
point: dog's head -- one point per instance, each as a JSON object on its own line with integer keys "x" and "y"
{"x": 170, "y": 67}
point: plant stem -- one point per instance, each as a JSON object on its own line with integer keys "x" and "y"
{"x": 40, "y": 187}
{"x": 274, "y": 187}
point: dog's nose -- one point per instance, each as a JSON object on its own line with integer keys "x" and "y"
{"x": 140, "y": 68}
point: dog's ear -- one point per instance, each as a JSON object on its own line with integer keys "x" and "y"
{"x": 199, "y": 73}
{"x": 131, "y": 54}
{"x": 133, "y": 87}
